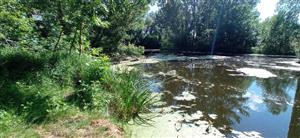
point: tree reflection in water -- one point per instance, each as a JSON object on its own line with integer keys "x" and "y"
{"x": 275, "y": 93}
{"x": 219, "y": 93}
{"x": 294, "y": 128}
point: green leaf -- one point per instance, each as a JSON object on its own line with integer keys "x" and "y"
{"x": 99, "y": 22}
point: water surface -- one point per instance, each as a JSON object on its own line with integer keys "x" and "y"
{"x": 270, "y": 106}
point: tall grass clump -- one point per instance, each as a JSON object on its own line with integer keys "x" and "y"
{"x": 130, "y": 95}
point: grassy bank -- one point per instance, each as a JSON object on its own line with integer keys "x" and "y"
{"x": 66, "y": 94}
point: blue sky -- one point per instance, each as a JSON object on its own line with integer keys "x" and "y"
{"x": 265, "y": 7}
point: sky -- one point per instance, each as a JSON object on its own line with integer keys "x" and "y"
{"x": 265, "y": 7}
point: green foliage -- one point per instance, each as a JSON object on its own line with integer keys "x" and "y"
{"x": 9, "y": 120}
{"x": 280, "y": 33}
{"x": 196, "y": 25}
{"x": 41, "y": 87}
{"x": 73, "y": 67}
{"x": 147, "y": 36}
{"x": 15, "y": 28}
{"x": 124, "y": 95}
{"x": 16, "y": 63}
{"x": 130, "y": 95}
{"x": 130, "y": 50}
{"x": 51, "y": 52}
{"x": 48, "y": 69}
{"x": 123, "y": 16}
{"x": 296, "y": 43}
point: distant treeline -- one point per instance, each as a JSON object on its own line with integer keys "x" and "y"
{"x": 208, "y": 26}
{"x": 226, "y": 26}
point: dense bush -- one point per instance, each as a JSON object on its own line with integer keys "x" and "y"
{"x": 130, "y": 50}
{"x": 123, "y": 95}
{"x": 72, "y": 68}
{"x": 16, "y": 63}
{"x": 41, "y": 87}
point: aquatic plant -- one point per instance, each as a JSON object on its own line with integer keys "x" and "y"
{"x": 130, "y": 95}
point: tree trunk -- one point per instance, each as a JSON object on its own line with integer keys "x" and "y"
{"x": 80, "y": 39}
{"x": 56, "y": 45}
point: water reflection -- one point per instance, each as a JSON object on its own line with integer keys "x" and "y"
{"x": 275, "y": 93}
{"x": 232, "y": 98}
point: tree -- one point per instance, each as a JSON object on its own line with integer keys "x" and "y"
{"x": 237, "y": 31}
{"x": 148, "y": 35}
{"x": 196, "y": 25}
{"x": 15, "y": 28}
{"x": 284, "y": 28}
{"x": 123, "y": 16}
{"x": 70, "y": 19}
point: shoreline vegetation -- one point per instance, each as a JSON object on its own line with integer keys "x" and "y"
{"x": 67, "y": 95}
{"x": 66, "y": 67}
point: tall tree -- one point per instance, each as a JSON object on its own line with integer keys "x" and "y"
{"x": 70, "y": 18}
{"x": 237, "y": 31}
{"x": 16, "y": 27}
{"x": 123, "y": 16}
{"x": 196, "y": 25}
{"x": 283, "y": 28}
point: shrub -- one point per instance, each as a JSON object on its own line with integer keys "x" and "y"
{"x": 73, "y": 68}
{"x": 124, "y": 95}
{"x": 40, "y": 87}
{"x": 90, "y": 97}
{"x": 17, "y": 63}
{"x": 34, "y": 85}
{"x": 296, "y": 46}
{"x": 130, "y": 50}
{"x": 40, "y": 101}
{"x": 95, "y": 69}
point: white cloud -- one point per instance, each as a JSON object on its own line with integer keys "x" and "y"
{"x": 255, "y": 100}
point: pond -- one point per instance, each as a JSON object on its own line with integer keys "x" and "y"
{"x": 235, "y": 94}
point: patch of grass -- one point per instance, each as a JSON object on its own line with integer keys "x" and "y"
{"x": 12, "y": 126}
{"x": 78, "y": 125}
